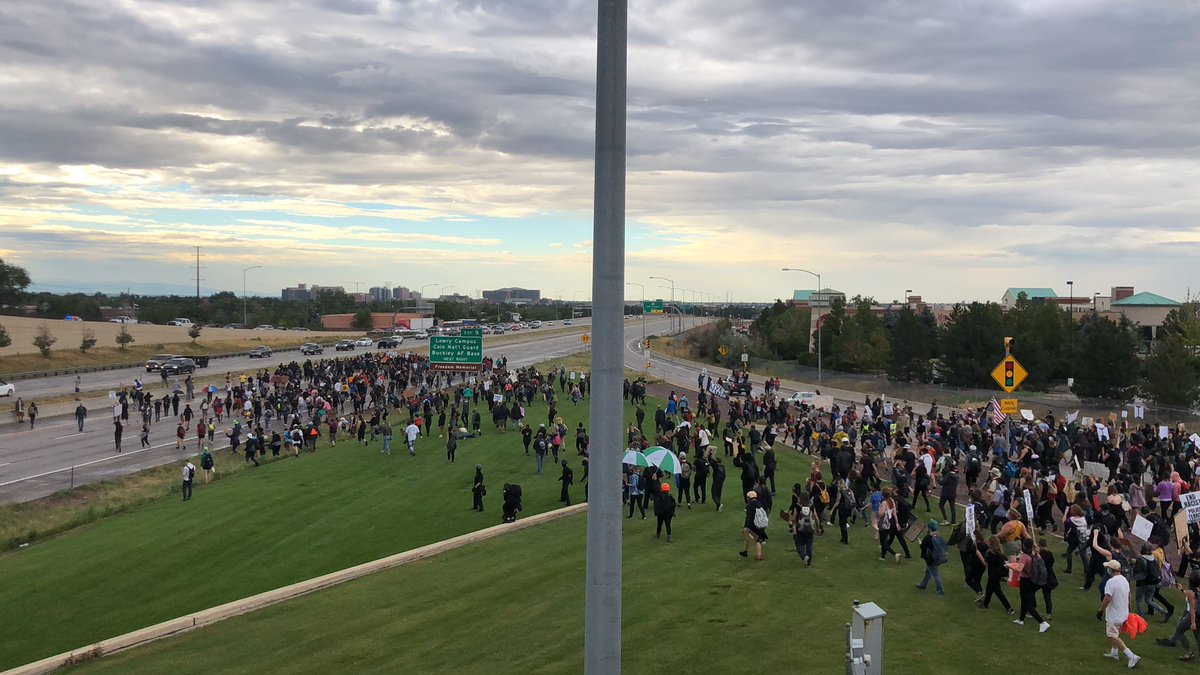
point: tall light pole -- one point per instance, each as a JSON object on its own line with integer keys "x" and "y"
{"x": 643, "y": 287}
{"x": 672, "y": 298}
{"x": 244, "y": 270}
{"x": 423, "y": 287}
{"x": 906, "y": 292}
{"x": 1096, "y": 302}
{"x": 1071, "y": 323}
{"x": 602, "y": 608}
{"x": 820, "y": 369}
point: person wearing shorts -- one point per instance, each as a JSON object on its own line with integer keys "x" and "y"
{"x": 1114, "y": 610}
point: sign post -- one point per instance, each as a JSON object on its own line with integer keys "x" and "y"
{"x": 1009, "y": 375}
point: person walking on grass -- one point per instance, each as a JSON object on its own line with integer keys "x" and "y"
{"x": 386, "y": 431}
{"x": 664, "y": 511}
{"x": 754, "y": 529}
{"x": 803, "y": 524}
{"x": 997, "y": 573}
{"x": 635, "y": 492}
{"x": 888, "y": 523}
{"x": 451, "y": 446}
{"x": 477, "y": 489}
{"x": 684, "y": 479}
{"x": 411, "y": 432}
{"x": 188, "y": 472}
{"x": 1114, "y": 611}
{"x": 1030, "y": 578}
{"x": 935, "y": 553}
{"x": 207, "y": 463}
{"x": 567, "y": 479}
{"x": 1187, "y": 622}
{"x": 718, "y": 480}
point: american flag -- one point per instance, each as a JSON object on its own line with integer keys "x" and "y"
{"x": 997, "y": 416}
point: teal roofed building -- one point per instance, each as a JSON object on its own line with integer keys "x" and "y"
{"x": 1147, "y": 310}
{"x": 1145, "y": 299}
{"x": 1009, "y": 300}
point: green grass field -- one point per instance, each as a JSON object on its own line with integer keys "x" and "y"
{"x": 515, "y": 604}
{"x": 261, "y": 529}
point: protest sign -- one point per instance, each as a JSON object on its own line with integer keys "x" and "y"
{"x": 1141, "y": 528}
{"x": 1190, "y": 502}
{"x": 971, "y": 521}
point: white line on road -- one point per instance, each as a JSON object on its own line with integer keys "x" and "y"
{"x": 59, "y": 438}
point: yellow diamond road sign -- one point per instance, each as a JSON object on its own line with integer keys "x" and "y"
{"x": 585, "y": 338}
{"x": 722, "y": 350}
{"x": 1009, "y": 374}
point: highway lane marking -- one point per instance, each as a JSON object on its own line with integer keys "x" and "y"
{"x": 94, "y": 461}
{"x": 59, "y": 438}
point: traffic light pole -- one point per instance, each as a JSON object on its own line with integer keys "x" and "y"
{"x": 1008, "y": 418}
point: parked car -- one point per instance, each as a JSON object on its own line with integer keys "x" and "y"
{"x": 179, "y": 322}
{"x": 7, "y": 389}
{"x": 566, "y": 322}
{"x": 155, "y": 363}
{"x": 311, "y": 348}
{"x": 390, "y": 342}
{"x": 344, "y": 346}
{"x": 364, "y": 342}
{"x": 297, "y": 328}
{"x": 179, "y": 365}
{"x": 260, "y": 352}
{"x": 742, "y": 388}
{"x": 123, "y": 319}
{"x": 233, "y": 325}
{"x": 265, "y": 326}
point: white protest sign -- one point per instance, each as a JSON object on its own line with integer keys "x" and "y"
{"x": 1095, "y": 470}
{"x": 1191, "y": 504}
{"x": 1087, "y": 421}
{"x": 1141, "y": 528}
{"x": 1071, "y": 417}
{"x": 497, "y": 398}
{"x": 112, "y": 396}
{"x": 572, "y": 376}
{"x": 1028, "y": 505}
{"x": 888, "y": 408}
{"x": 1101, "y": 432}
{"x": 971, "y": 521}
{"x": 1027, "y": 414}
{"x": 1124, "y": 414}
{"x": 487, "y": 385}
{"x": 1195, "y": 439}
{"x": 1164, "y": 432}
{"x": 1139, "y": 411}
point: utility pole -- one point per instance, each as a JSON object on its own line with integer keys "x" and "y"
{"x": 602, "y": 609}
{"x": 198, "y": 280}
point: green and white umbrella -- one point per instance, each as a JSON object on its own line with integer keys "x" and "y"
{"x": 664, "y": 459}
{"x": 635, "y": 458}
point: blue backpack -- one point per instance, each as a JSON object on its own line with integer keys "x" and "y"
{"x": 941, "y": 551}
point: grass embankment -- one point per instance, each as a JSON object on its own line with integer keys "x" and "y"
{"x": 515, "y": 604}
{"x": 257, "y": 530}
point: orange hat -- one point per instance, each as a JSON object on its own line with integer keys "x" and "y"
{"x": 665, "y": 487}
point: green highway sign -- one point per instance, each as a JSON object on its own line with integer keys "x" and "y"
{"x": 652, "y": 307}
{"x": 463, "y": 350}
{"x": 471, "y": 332}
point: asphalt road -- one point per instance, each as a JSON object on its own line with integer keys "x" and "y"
{"x": 103, "y": 380}
{"x": 55, "y": 456}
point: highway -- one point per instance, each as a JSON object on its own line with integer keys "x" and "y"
{"x": 55, "y": 456}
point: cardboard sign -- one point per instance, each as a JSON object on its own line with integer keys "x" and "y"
{"x": 1141, "y": 528}
{"x": 497, "y": 398}
{"x": 888, "y": 409}
{"x": 1139, "y": 411}
{"x": 1164, "y": 432}
{"x": 1095, "y": 470}
{"x": 1181, "y": 528}
{"x": 1191, "y": 505}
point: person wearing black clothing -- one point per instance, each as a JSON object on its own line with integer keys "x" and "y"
{"x": 904, "y": 515}
{"x": 1051, "y": 578}
{"x": 997, "y": 573}
{"x": 700, "y": 480}
{"x": 949, "y": 495}
{"x": 843, "y": 461}
{"x": 718, "y": 480}
{"x": 451, "y": 445}
{"x": 649, "y": 485}
{"x": 567, "y": 479}
{"x": 769, "y": 465}
{"x": 664, "y": 510}
{"x": 751, "y": 533}
{"x": 921, "y": 486}
{"x": 478, "y": 490}
{"x": 526, "y": 436}
{"x": 745, "y": 461}
{"x": 970, "y": 550}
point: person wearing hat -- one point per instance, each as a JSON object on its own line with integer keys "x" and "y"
{"x": 664, "y": 510}
{"x": 1114, "y": 610}
{"x": 934, "y": 552}
{"x": 478, "y": 490}
{"x": 751, "y": 532}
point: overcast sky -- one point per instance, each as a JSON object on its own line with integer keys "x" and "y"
{"x": 951, "y": 147}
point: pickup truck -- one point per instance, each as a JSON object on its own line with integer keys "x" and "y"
{"x": 179, "y": 322}
{"x": 123, "y": 319}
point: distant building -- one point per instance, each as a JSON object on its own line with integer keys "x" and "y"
{"x": 379, "y": 294}
{"x": 516, "y": 296}
{"x": 402, "y": 294}
{"x": 454, "y": 297}
{"x": 378, "y": 320}
{"x": 1009, "y": 300}
{"x": 299, "y": 293}
{"x": 1148, "y": 310}
{"x": 817, "y": 298}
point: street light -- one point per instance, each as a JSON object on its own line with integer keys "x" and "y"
{"x": 1096, "y": 302}
{"x": 1071, "y": 323}
{"x": 820, "y": 369}
{"x": 906, "y": 292}
{"x": 672, "y": 282}
{"x": 643, "y": 287}
{"x": 244, "y": 270}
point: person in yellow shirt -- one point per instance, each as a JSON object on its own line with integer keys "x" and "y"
{"x": 1012, "y": 534}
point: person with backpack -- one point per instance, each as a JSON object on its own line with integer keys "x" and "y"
{"x": 803, "y": 524}
{"x": 887, "y": 523}
{"x": 1031, "y": 570}
{"x": 1051, "y": 578}
{"x": 664, "y": 510}
{"x": 1075, "y": 531}
{"x": 1146, "y": 577}
{"x": 948, "y": 480}
{"x": 188, "y": 472}
{"x": 754, "y": 529}
{"x": 207, "y": 464}
{"x": 1166, "y": 575}
{"x": 935, "y": 552}
{"x": 1187, "y": 622}
{"x": 540, "y": 446}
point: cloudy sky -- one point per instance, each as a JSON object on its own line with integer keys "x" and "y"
{"x": 952, "y": 147}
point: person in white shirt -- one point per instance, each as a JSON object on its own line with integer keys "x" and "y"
{"x": 704, "y": 440}
{"x": 410, "y": 434}
{"x": 188, "y": 473}
{"x": 1115, "y": 610}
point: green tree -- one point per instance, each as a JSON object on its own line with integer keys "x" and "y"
{"x": 5, "y": 339}
{"x": 363, "y": 320}
{"x": 972, "y": 342}
{"x": 1173, "y": 371}
{"x": 124, "y": 338}
{"x": 1043, "y": 336}
{"x": 913, "y": 344}
{"x": 44, "y": 341}
{"x": 1111, "y": 369}
{"x": 854, "y": 342}
{"x": 782, "y": 331}
{"x": 13, "y": 282}
{"x": 194, "y": 332}
{"x": 88, "y": 340}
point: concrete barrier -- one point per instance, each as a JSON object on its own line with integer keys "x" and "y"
{"x": 212, "y": 615}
